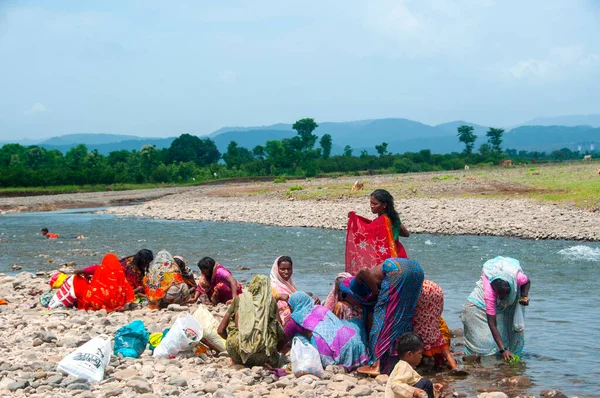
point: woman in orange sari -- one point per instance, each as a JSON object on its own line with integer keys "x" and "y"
{"x": 107, "y": 290}
{"x": 371, "y": 242}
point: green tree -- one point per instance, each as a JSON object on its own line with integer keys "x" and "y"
{"x": 485, "y": 150}
{"x": 348, "y": 151}
{"x": 259, "y": 152}
{"x": 236, "y": 155}
{"x": 326, "y": 143}
{"x": 189, "y": 148}
{"x": 381, "y": 149}
{"x": 466, "y": 136}
{"x": 495, "y": 138}
{"x": 75, "y": 156}
{"x": 10, "y": 153}
{"x": 305, "y": 128}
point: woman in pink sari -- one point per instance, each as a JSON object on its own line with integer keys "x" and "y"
{"x": 216, "y": 282}
{"x": 282, "y": 284}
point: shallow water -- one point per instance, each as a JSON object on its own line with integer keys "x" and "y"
{"x": 562, "y": 322}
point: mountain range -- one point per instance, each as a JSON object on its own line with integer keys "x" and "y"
{"x": 402, "y": 135}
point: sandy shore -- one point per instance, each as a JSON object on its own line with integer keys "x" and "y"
{"x": 33, "y": 340}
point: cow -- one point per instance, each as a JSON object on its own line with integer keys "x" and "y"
{"x": 466, "y": 167}
{"x": 598, "y": 170}
{"x": 587, "y": 158}
{"x": 505, "y": 163}
{"x": 358, "y": 186}
{"x": 532, "y": 161}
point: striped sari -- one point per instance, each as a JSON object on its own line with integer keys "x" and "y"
{"x": 338, "y": 342}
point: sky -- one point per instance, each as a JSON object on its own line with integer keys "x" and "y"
{"x": 161, "y": 69}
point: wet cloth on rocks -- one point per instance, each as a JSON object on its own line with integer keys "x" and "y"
{"x": 254, "y": 341}
{"x": 164, "y": 283}
{"x": 338, "y": 342}
{"x": 107, "y": 290}
{"x": 281, "y": 286}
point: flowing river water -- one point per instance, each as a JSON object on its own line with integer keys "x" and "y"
{"x": 562, "y": 348}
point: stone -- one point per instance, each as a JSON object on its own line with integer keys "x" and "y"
{"x": 78, "y": 386}
{"x": 178, "y": 382}
{"x": 115, "y": 392}
{"x": 125, "y": 374}
{"x": 343, "y": 386}
{"x": 223, "y": 393}
{"x": 139, "y": 386}
{"x": 494, "y": 394}
{"x": 552, "y": 394}
{"x": 520, "y": 381}
{"x": 211, "y": 387}
{"x": 360, "y": 391}
{"x": 147, "y": 396}
{"x": 382, "y": 379}
{"x": 177, "y": 307}
{"x": 37, "y": 342}
{"x": 18, "y": 385}
{"x": 56, "y": 379}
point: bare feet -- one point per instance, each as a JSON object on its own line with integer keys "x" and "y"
{"x": 370, "y": 370}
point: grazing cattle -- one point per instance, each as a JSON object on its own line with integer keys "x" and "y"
{"x": 598, "y": 170}
{"x": 532, "y": 161}
{"x": 505, "y": 163}
{"x": 466, "y": 167}
{"x": 358, "y": 186}
{"x": 587, "y": 158}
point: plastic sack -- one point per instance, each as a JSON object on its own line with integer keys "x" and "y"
{"x": 184, "y": 332}
{"x": 88, "y": 361}
{"x": 209, "y": 328}
{"x": 131, "y": 340}
{"x": 305, "y": 358}
{"x": 65, "y": 296}
{"x": 519, "y": 319}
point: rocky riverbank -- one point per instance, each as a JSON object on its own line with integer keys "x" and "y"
{"x": 33, "y": 340}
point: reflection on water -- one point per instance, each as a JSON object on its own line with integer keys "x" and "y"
{"x": 562, "y": 321}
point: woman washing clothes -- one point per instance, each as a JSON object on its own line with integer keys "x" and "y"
{"x": 388, "y": 293}
{"x": 344, "y": 306}
{"x": 186, "y": 273}
{"x": 164, "y": 283}
{"x": 489, "y": 312}
{"x": 338, "y": 342}
{"x": 216, "y": 282}
{"x": 370, "y": 242}
{"x": 251, "y": 326}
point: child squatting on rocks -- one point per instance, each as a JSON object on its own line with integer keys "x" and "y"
{"x": 404, "y": 381}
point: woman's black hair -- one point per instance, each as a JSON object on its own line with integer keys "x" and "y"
{"x": 179, "y": 262}
{"x": 409, "y": 342}
{"x": 142, "y": 259}
{"x": 206, "y": 263}
{"x": 284, "y": 259}
{"x": 383, "y": 196}
{"x": 44, "y": 229}
{"x": 500, "y": 284}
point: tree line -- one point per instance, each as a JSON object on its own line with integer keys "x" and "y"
{"x": 193, "y": 159}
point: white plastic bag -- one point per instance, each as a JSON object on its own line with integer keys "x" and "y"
{"x": 305, "y": 359}
{"x": 519, "y": 319}
{"x": 89, "y": 360}
{"x": 64, "y": 296}
{"x": 184, "y": 332}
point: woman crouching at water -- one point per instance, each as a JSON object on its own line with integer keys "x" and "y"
{"x": 488, "y": 315}
{"x": 164, "y": 284}
{"x": 216, "y": 282}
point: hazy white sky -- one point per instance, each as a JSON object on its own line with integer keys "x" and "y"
{"x": 162, "y": 68}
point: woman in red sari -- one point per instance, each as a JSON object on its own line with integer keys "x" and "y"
{"x": 107, "y": 290}
{"x": 371, "y": 242}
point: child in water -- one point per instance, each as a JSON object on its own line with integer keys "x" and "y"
{"x": 49, "y": 235}
{"x": 404, "y": 381}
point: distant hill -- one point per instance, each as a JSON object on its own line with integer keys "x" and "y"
{"x": 107, "y": 148}
{"x": 250, "y": 138}
{"x": 567, "y": 120}
{"x": 550, "y": 138}
{"x": 90, "y": 139}
{"x": 452, "y": 127}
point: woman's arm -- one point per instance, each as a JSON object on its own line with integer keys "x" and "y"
{"x": 506, "y": 354}
{"x": 404, "y": 231}
{"x": 365, "y": 275}
{"x": 222, "y": 329}
{"x": 234, "y": 285}
{"x": 524, "y": 300}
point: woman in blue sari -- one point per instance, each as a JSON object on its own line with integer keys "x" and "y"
{"x": 338, "y": 342}
{"x": 389, "y": 294}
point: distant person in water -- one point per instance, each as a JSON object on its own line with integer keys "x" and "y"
{"x": 49, "y": 235}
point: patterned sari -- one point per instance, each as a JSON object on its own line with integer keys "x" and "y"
{"x": 340, "y": 307}
{"x": 134, "y": 276}
{"x": 218, "y": 288}
{"x": 428, "y": 318}
{"x": 107, "y": 290}
{"x": 164, "y": 283}
{"x": 338, "y": 342}
{"x": 370, "y": 242}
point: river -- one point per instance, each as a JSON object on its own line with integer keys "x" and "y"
{"x": 560, "y": 352}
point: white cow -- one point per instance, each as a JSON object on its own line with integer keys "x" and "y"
{"x": 587, "y": 158}
{"x": 466, "y": 167}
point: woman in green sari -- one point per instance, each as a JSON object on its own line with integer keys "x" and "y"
{"x": 251, "y": 327}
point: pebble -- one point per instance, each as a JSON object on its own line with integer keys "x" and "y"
{"x": 140, "y": 386}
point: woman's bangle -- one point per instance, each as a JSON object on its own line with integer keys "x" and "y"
{"x": 502, "y": 350}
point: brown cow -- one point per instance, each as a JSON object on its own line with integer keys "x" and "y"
{"x": 505, "y": 163}
{"x": 358, "y": 186}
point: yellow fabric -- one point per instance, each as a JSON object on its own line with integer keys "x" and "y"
{"x": 59, "y": 280}
{"x": 445, "y": 330}
{"x": 155, "y": 339}
{"x": 401, "y": 381}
